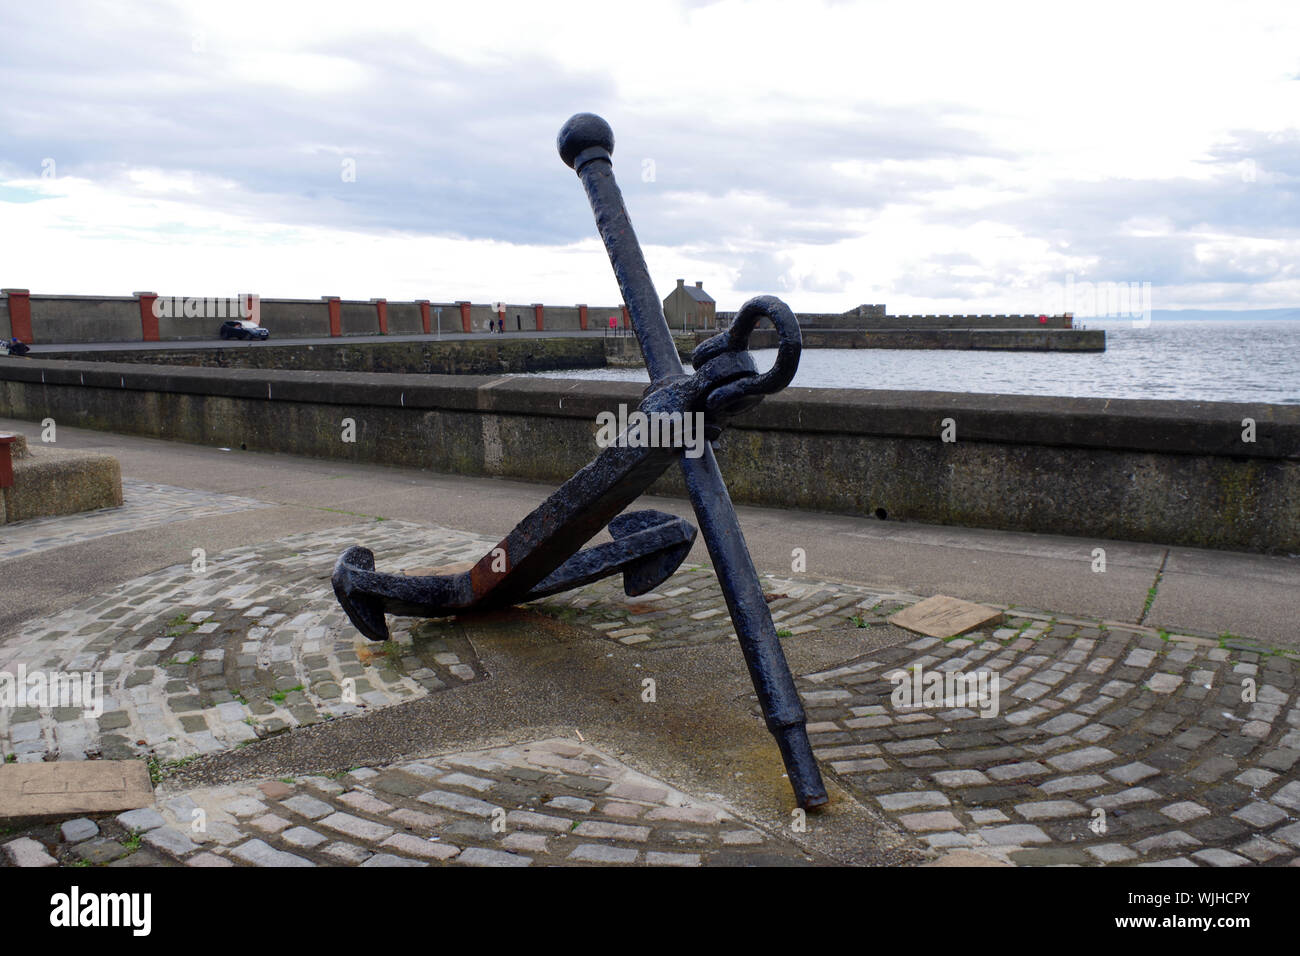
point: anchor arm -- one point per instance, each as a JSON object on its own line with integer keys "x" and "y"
{"x": 529, "y": 556}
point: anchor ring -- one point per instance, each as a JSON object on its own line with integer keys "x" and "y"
{"x": 734, "y": 384}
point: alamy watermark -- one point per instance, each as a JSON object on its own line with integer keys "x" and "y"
{"x": 75, "y": 909}
{"x": 83, "y": 689}
{"x": 920, "y": 689}
{"x": 1125, "y": 300}
{"x": 190, "y": 307}
{"x": 640, "y": 429}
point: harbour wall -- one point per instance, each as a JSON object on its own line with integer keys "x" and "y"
{"x": 149, "y": 317}
{"x": 1202, "y": 474}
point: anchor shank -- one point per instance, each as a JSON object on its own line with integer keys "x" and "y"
{"x": 732, "y": 383}
{"x": 661, "y": 358}
{"x": 768, "y": 670}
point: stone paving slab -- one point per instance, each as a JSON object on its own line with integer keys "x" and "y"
{"x": 944, "y": 617}
{"x": 38, "y": 789}
{"x": 508, "y": 806}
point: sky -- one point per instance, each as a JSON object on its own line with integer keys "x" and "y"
{"x": 934, "y": 157}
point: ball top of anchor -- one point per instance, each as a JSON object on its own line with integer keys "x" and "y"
{"x": 583, "y": 131}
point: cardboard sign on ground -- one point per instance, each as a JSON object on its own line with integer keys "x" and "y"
{"x": 942, "y": 616}
{"x": 73, "y": 787}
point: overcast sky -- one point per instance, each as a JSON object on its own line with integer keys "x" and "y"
{"x": 966, "y": 157}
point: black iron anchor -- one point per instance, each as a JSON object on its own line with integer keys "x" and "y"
{"x": 544, "y": 554}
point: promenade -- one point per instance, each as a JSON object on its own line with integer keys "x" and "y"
{"x": 1148, "y": 712}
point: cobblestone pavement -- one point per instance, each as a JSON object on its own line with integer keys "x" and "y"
{"x": 257, "y": 644}
{"x": 689, "y": 609}
{"x": 552, "y": 802}
{"x": 253, "y": 646}
{"x": 1112, "y": 743}
{"x": 1110, "y": 746}
{"x": 144, "y": 504}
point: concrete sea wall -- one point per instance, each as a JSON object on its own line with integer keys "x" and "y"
{"x": 489, "y": 355}
{"x": 1179, "y": 473}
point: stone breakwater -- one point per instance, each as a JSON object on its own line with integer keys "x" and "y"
{"x": 148, "y": 317}
{"x": 976, "y": 339}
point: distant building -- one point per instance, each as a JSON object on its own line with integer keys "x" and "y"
{"x": 690, "y": 307}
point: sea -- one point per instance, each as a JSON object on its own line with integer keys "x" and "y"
{"x": 1236, "y": 360}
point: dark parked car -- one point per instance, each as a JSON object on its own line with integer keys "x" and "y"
{"x": 242, "y": 329}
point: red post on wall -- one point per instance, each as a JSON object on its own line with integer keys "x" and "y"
{"x": 251, "y": 305}
{"x": 538, "y": 312}
{"x": 20, "y": 314}
{"x": 148, "y": 318}
{"x": 7, "y": 460}
{"x": 336, "y": 314}
{"x": 424, "y": 313}
{"x": 464, "y": 315}
{"x": 627, "y": 319}
{"x": 582, "y": 317}
{"x": 381, "y": 310}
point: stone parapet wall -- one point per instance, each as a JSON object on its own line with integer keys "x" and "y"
{"x": 75, "y": 320}
{"x": 1176, "y": 473}
{"x": 484, "y": 356}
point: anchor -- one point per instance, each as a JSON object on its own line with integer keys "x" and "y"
{"x": 544, "y": 554}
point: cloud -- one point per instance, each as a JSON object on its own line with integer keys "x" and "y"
{"x": 832, "y": 155}
{"x": 762, "y": 271}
